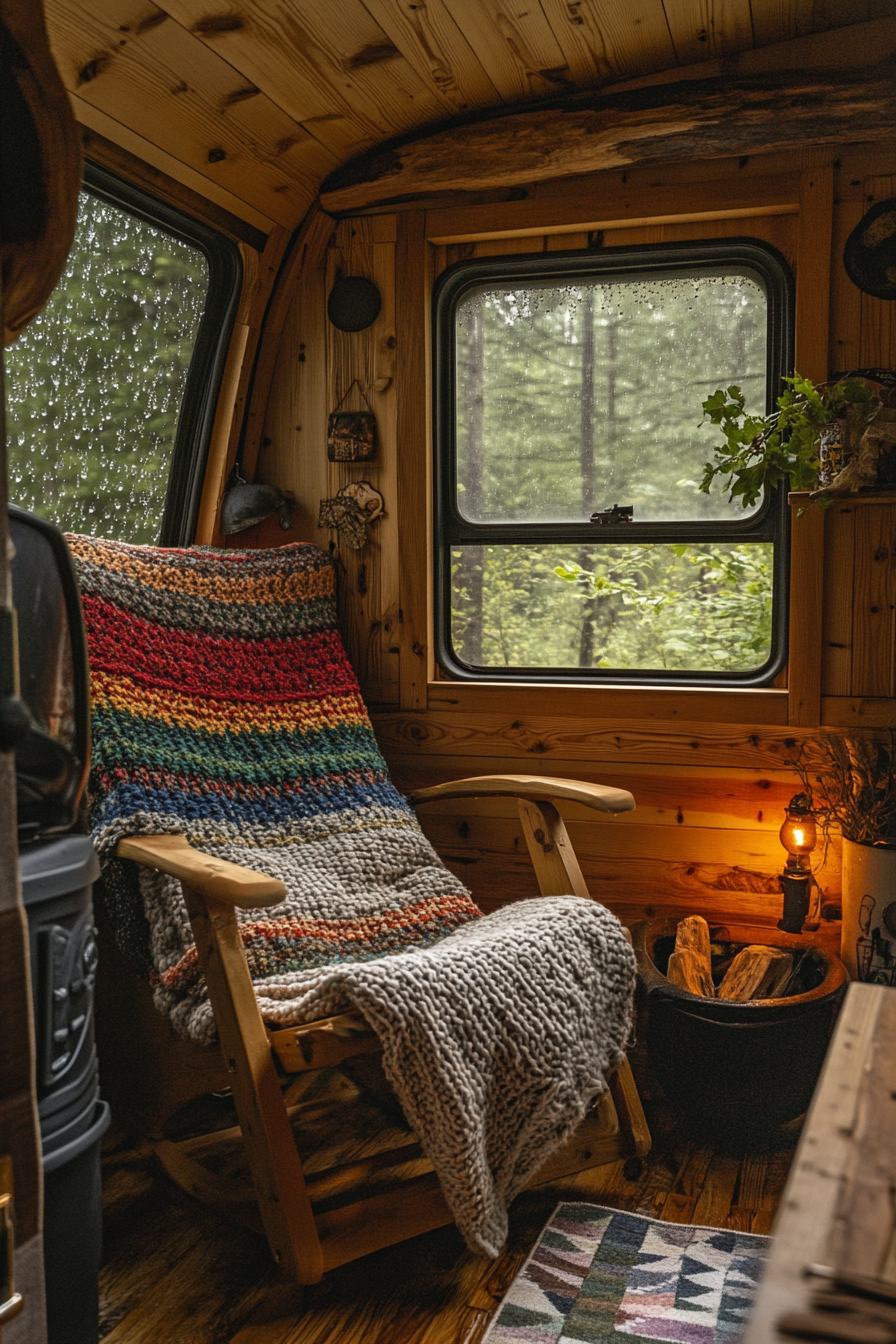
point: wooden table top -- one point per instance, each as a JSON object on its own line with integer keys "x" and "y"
{"x": 839, "y": 1204}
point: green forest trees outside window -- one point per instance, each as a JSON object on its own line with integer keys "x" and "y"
{"x": 101, "y": 399}
{"x": 567, "y": 386}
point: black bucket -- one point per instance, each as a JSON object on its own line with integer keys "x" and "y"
{"x": 730, "y": 1068}
{"x": 57, "y": 878}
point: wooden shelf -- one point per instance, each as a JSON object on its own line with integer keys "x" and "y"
{"x": 877, "y": 497}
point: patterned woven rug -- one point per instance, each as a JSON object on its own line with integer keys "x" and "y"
{"x": 598, "y": 1275}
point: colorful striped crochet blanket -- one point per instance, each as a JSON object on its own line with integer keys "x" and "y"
{"x": 225, "y": 708}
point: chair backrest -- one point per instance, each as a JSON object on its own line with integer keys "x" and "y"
{"x": 225, "y": 708}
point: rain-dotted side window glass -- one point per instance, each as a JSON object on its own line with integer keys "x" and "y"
{"x": 99, "y": 385}
{"x": 572, "y": 534}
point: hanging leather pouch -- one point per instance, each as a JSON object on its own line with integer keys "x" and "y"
{"x": 351, "y": 435}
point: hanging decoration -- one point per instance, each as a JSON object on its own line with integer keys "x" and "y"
{"x": 350, "y": 511}
{"x": 351, "y": 435}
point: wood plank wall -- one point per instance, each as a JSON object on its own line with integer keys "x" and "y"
{"x": 708, "y": 768}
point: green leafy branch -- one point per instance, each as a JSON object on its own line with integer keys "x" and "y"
{"x": 762, "y": 451}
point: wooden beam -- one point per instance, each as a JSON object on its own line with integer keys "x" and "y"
{"x": 413, "y": 458}
{"x": 703, "y": 118}
{"x": 260, "y": 273}
{"x": 813, "y": 272}
{"x": 611, "y": 204}
{"x": 806, "y": 615}
{"x": 306, "y": 250}
{"x": 813, "y": 295}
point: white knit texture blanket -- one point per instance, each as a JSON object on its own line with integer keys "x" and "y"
{"x": 496, "y": 1040}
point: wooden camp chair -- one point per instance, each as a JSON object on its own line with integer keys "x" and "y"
{"x": 304, "y": 1244}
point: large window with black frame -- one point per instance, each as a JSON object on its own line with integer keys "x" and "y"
{"x": 573, "y": 539}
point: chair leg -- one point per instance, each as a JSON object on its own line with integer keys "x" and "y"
{"x": 559, "y": 874}
{"x": 629, "y": 1111}
{"x": 273, "y": 1159}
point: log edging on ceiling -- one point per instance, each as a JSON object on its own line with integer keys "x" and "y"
{"x": 700, "y": 118}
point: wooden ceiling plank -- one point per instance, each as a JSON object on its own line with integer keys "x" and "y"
{"x": 516, "y": 44}
{"x": 604, "y": 41}
{"x": 837, "y": 13}
{"x": 713, "y": 118}
{"x": 95, "y": 120}
{"x": 780, "y": 20}
{"x": 703, "y": 30}
{"x": 839, "y": 49}
{"x": 333, "y": 70}
{"x": 129, "y": 59}
{"x": 429, "y": 38}
{"x": 99, "y": 149}
{"x": 306, "y": 85}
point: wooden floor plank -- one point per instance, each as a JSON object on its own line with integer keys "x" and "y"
{"x": 174, "y": 1270}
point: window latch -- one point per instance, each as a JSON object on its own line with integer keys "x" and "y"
{"x": 620, "y": 513}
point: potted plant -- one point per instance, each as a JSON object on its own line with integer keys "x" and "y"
{"x": 852, "y": 782}
{"x": 836, "y": 435}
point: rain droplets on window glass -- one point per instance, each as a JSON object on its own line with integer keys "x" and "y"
{"x": 95, "y": 383}
{"x": 573, "y": 398}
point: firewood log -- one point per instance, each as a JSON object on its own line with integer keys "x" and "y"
{"x": 687, "y": 970}
{"x": 755, "y": 973}
{"x": 692, "y": 935}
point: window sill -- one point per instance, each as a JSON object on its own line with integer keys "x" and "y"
{"x": 687, "y": 704}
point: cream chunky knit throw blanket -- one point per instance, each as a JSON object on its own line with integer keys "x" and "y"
{"x": 225, "y": 708}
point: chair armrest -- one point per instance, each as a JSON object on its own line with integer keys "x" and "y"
{"x": 214, "y": 878}
{"x": 598, "y": 796}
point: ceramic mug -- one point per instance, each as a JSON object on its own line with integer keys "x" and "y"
{"x": 868, "y": 937}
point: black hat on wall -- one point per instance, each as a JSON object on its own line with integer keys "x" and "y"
{"x": 354, "y": 303}
{"x": 870, "y": 252}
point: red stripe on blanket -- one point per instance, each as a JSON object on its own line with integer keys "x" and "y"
{"x": 262, "y": 670}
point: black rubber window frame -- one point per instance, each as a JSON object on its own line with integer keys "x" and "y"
{"x": 770, "y": 523}
{"x": 197, "y": 412}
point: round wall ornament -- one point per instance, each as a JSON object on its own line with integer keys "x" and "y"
{"x": 354, "y": 303}
{"x": 870, "y": 252}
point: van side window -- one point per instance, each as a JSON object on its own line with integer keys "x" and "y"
{"x": 572, "y": 536}
{"x": 103, "y": 387}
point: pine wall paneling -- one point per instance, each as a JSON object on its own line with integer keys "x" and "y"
{"x": 708, "y": 768}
